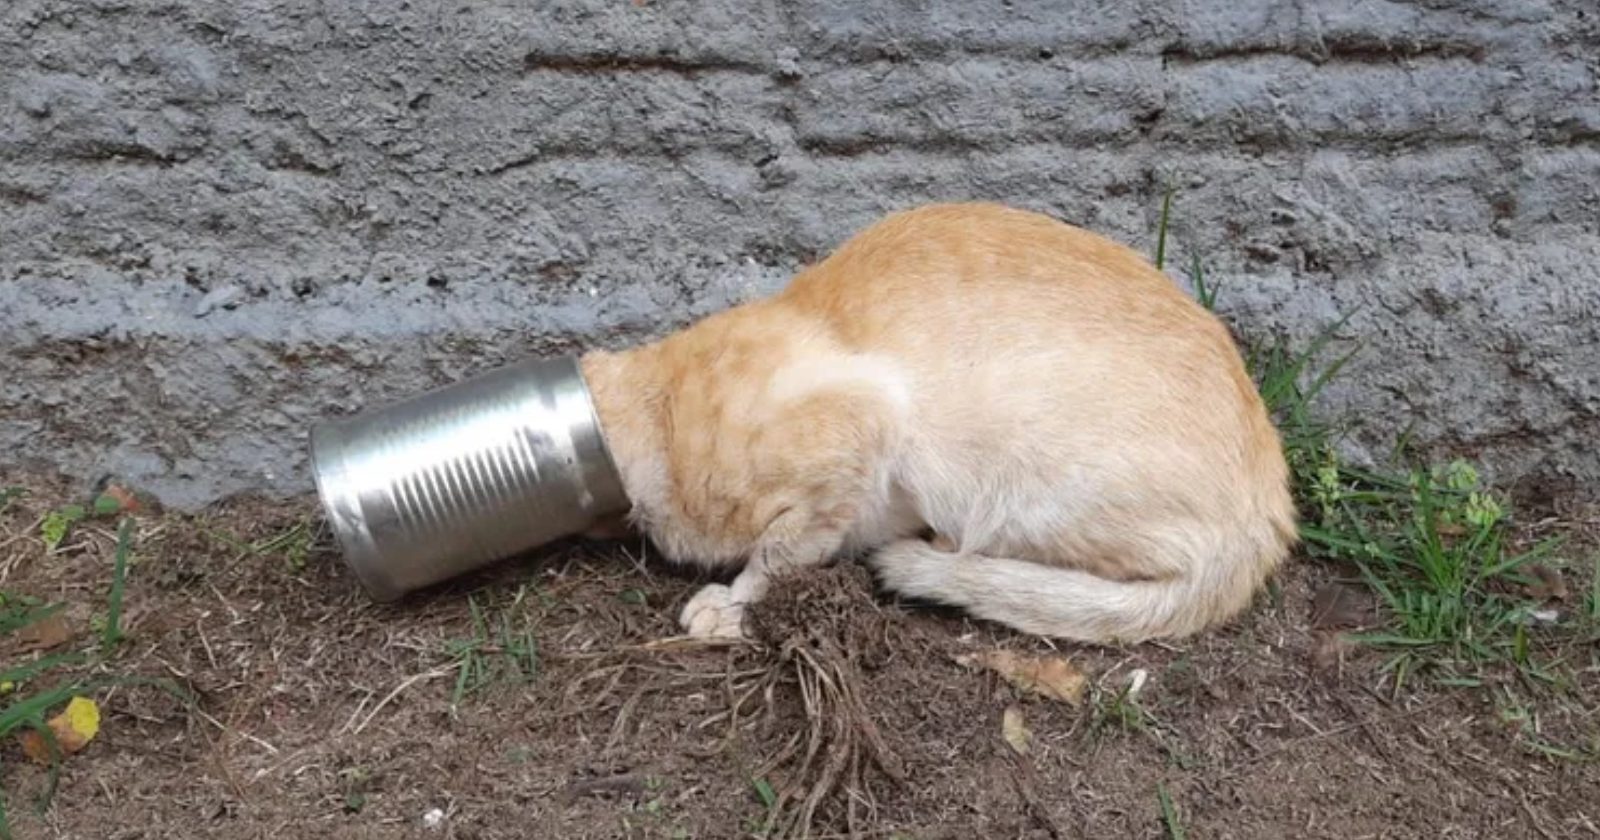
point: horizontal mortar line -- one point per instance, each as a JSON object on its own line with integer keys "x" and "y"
{"x": 1184, "y": 146}
{"x": 47, "y": 326}
{"x": 855, "y": 58}
{"x": 115, "y": 333}
{"x": 1129, "y": 145}
{"x": 1373, "y": 145}
{"x": 831, "y": 57}
{"x": 1341, "y": 54}
{"x": 586, "y": 63}
{"x": 829, "y": 63}
{"x": 1162, "y": 133}
{"x": 1358, "y": 53}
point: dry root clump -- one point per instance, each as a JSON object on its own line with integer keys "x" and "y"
{"x": 822, "y": 637}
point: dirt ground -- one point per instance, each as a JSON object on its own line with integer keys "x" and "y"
{"x": 320, "y": 714}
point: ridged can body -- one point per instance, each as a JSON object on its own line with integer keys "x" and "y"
{"x": 456, "y": 478}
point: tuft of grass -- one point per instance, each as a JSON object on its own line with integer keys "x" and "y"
{"x": 293, "y": 544}
{"x": 1161, "y": 228}
{"x": 768, "y": 797}
{"x": 1119, "y": 711}
{"x": 1204, "y": 291}
{"x": 57, "y": 523}
{"x": 18, "y": 611}
{"x": 1169, "y": 813}
{"x": 1430, "y": 540}
{"x": 1591, "y": 606}
{"x": 1522, "y": 719}
{"x": 1290, "y": 383}
{"x": 112, "y": 634}
{"x": 1435, "y": 547}
{"x": 765, "y": 793}
{"x": 506, "y": 651}
{"x": 9, "y": 495}
{"x": 28, "y": 708}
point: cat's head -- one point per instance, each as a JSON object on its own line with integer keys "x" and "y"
{"x": 628, "y": 406}
{"x": 631, "y": 396}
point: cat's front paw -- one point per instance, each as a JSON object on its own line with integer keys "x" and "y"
{"x": 713, "y": 614}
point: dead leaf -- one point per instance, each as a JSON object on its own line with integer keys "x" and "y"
{"x": 1050, "y": 676}
{"x": 1336, "y": 605}
{"x": 125, "y": 498}
{"x": 1547, "y": 584}
{"x": 49, "y": 632}
{"x": 1014, "y": 730}
{"x": 73, "y": 729}
{"x": 1544, "y": 617}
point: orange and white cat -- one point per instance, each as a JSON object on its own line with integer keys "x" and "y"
{"x": 1005, "y": 413}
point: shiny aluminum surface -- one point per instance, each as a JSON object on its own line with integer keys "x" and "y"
{"x": 456, "y": 478}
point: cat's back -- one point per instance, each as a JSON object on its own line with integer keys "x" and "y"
{"x": 1018, "y": 333}
{"x": 960, "y": 274}
{"x": 969, "y": 268}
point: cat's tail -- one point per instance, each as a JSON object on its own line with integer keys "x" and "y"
{"x": 1069, "y": 603}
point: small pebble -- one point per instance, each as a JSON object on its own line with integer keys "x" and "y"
{"x": 225, "y": 297}
{"x": 1136, "y": 681}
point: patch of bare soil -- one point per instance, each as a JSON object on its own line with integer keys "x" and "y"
{"x": 541, "y": 700}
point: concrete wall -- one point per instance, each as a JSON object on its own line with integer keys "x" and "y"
{"x": 222, "y": 219}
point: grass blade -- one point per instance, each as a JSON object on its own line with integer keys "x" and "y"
{"x": 1169, "y": 813}
{"x": 119, "y": 577}
{"x": 1204, "y": 291}
{"x": 18, "y": 618}
{"x": 764, "y": 792}
{"x": 25, "y": 712}
{"x": 1161, "y": 228}
{"x": 18, "y": 674}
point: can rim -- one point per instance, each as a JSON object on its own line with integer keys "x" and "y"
{"x": 616, "y": 494}
{"x": 344, "y": 515}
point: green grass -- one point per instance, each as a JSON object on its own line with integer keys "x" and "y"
{"x": 1429, "y": 540}
{"x": 26, "y": 707}
{"x": 293, "y": 544}
{"x": 57, "y": 523}
{"x": 1161, "y": 227}
{"x": 9, "y": 495}
{"x": 1119, "y": 711}
{"x": 1434, "y": 546}
{"x": 31, "y": 690}
{"x": 503, "y": 650}
{"x": 1169, "y": 813}
{"x": 111, "y": 635}
{"x": 768, "y": 797}
{"x": 765, "y": 793}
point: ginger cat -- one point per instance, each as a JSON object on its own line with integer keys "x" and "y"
{"x": 1006, "y": 413}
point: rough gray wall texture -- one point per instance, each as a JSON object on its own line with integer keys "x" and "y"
{"x": 222, "y": 219}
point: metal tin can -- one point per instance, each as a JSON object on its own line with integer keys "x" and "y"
{"x": 454, "y": 479}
